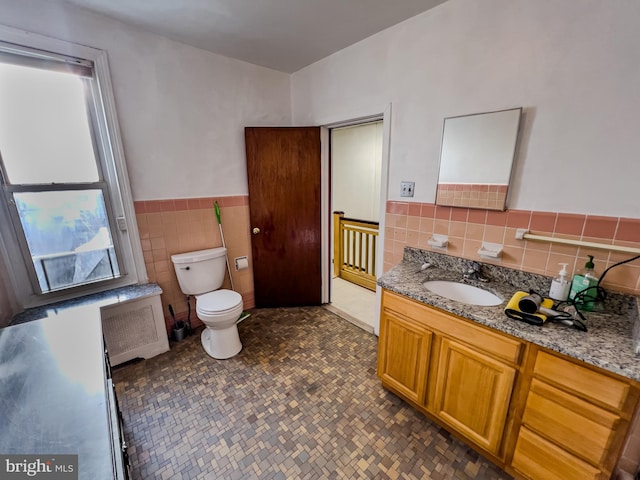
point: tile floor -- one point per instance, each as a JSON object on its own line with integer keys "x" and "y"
{"x": 355, "y": 303}
{"x": 300, "y": 401}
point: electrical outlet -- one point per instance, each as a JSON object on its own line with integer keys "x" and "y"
{"x": 406, "y": 189}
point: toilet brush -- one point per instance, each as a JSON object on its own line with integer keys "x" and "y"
{"x": 244, "y": 315}
{"x": 217, "y": 210}
{"x": 179, "y": 327}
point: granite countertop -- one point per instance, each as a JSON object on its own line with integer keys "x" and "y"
{"x": 98, "y": 300}
{"x": 608, "y": 343}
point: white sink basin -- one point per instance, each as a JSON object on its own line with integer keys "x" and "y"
{"x": 463, "y": 293}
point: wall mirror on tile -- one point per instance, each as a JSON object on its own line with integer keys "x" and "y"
{"x": 476, "y": 159}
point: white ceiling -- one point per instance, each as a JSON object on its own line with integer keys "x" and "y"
{"x": 285, "y": 35}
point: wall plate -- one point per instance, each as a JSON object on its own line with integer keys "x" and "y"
{"x": 406, "y": 189}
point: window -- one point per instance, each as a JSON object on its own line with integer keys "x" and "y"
{"x": 62, "y": 185}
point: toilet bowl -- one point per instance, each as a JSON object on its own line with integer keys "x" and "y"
{"x": 201, "y": 273}
{"x": 220, "y": 311}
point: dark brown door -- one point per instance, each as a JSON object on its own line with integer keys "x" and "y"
{"x": 283, "y": 169}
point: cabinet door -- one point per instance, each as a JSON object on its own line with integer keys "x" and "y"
{"x": 473, "y": 392}
{"x": 403, "y": 357}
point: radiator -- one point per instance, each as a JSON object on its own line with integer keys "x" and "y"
{"x": 134, "y": 329}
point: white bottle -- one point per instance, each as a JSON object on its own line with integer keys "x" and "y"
{"x": 560, "y": 286}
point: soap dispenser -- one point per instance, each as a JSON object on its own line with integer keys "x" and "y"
{"x": 582, "y": 281}
{"x": 560, "y": 285}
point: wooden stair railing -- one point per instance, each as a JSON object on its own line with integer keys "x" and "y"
{"x": 354, "y": 250}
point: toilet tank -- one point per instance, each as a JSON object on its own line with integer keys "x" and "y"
{"x": 201, "y": 271}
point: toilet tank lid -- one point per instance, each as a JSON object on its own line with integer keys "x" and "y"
{"x": 199, "y": 255}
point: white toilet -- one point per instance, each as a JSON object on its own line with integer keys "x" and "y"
{"x": 201, "y": 274}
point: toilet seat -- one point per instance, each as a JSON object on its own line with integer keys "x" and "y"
{"x": 218, "y": 302}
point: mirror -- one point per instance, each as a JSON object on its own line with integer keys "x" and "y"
{"x": 476, "y": 159}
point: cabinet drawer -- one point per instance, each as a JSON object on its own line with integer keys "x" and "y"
{"x": 537, "y": 459}
{"x": 397, "y": 303}
{"x": 588, "y": 383}
{"x": 495, "y": 344}
{"x": 580, "y": 427}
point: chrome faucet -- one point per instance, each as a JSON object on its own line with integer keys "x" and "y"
{"x": 474, "y": 272}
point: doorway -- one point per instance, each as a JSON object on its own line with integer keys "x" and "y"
{"x": 324, "y": 250}
{"x": 356, "y": 153}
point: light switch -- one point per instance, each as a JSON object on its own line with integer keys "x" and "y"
{"x": 406, "y": 189}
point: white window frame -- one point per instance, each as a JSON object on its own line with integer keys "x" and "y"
{"x": 113, "y": 167}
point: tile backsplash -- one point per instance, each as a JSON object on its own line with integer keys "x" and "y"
{"x": 476, "y": 195}
{"x": 413, "y": 224}
{"x": 175, "y": 226}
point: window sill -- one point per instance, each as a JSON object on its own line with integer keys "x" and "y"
{"x": 108, "y": 297}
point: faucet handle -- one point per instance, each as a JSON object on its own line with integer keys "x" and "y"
{"x": 474, "y": 268}
{"x": 474, "y": 272}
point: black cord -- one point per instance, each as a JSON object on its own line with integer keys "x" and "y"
{"x": 578, "y": 320}
{"x": 563, "y": 316}
{"x": 595, "y": 293}
{"x": 615, "y": 265}
{"x": 590, "y": 295}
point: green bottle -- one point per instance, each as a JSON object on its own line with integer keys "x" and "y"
{"x": 583, "y": 280}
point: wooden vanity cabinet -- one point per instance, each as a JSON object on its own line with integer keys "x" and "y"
{"x": 574, "y": 421}
{"x": 460, "y": 373}
{"x": 538, "y": 414}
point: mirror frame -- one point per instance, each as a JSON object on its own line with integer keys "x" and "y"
{"x": 490, "y": 195}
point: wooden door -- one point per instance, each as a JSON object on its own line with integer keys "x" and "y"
{"x": 472, "y": 393}
{"x": 283, "y": 170}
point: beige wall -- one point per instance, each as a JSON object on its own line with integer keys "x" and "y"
{"x": 574, "y": 65}
{"x": 182, "y": 111}
{"x": 356, "y": 162}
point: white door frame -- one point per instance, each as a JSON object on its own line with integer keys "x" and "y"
{"x": 344, "y": 120}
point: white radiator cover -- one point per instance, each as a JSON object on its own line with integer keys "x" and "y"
{"x": 134, "y": 329}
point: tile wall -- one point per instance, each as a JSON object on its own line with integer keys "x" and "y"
{"x": 413, "y": 224}
{"x": 476, "y": 195}
{"x": 175, "y": 226}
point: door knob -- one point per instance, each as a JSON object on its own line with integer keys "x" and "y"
{"x": 256, "y": 230}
